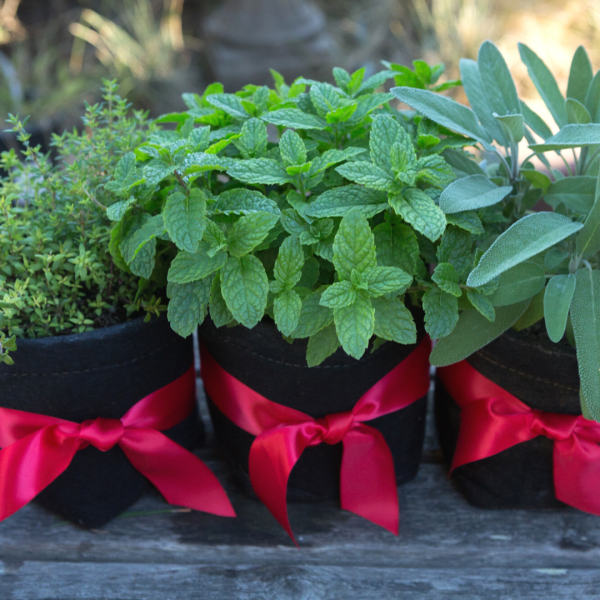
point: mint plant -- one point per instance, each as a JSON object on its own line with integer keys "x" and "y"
{"x": 312, "y": 204}
{"x": 56, "y": 274}
{"x": 542, "y": 265}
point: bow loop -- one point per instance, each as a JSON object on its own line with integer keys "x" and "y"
{"x": 554, "y": 426}
{"x": 334, "y": 427}
{"x": 101, "y": 433}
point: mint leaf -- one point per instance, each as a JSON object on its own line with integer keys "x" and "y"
{"x": 136, "y": 239}
{"x": 187, "y": 305}
{"x": 527, "y": 237}
{"x": 469, "y": 221}
{"x": 229, "y": 103}
{"x": 446, "y": 277}
{"x": 393, "y": 321}
{"x": 188, "y": 266}
{"x": 333, "y": 157}
{"x": 435, "y": 170}
{"x": 253, "y": 139}
{"x": 289, "y": 263}
{"x": 557, "y": 302}
{"x": 481, "y": 304}
{"x": 471, "y": 193}
{"x": 115, "y": 212}
{"x": 313, "y": 316}
{"x": 441, "y": 312}
{"x": 245, "y": 286}
{"x": 249, "y": 231}
{"x": 355, "y": 324}
{"x": 321, "y": 346}
{"x": 369, "y": 175}
{"x": 287, "y": 308}
{"x": 397, "y": 246}
{"x": 184, "y": 217}
{"x": 125, "y": 176}
{"x": 295, "y": 118}
{"x": 354, "y": 246}
{"x": 385, "y": 280}
{"x": 219, "y": 313}
{"x": 292, "y": 148}
{"x": 418, "y": 209}
{"x": 338, "y": 295}
{"x": 385, "y": 132}
{"x": 339, "y": 201}
{"x": 455, "y": 248}
{"x": 241, "y": 201}
{"x": 259, "y": 170}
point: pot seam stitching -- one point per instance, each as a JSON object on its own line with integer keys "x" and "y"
{"x": 279, "y": 362}
{"x": 128, "y": 362}
{"x": 527, "y": 375}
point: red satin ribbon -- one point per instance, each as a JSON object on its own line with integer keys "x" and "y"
{"x": 493, "y": 420}
{"x": 38, "y": 448}
{"x": 367, "y": 478}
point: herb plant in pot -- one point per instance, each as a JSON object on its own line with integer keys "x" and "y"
{"x": 314, "y": 240}
{"x": 528, "y": 432}
{"x": 88, "y": 383}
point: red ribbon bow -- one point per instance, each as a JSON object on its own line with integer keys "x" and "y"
{"x": 38, "y": 448}
{"x": 493, "y": 420}
{"x": 367, "y": 479}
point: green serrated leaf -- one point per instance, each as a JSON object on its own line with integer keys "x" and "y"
{"x": 287, "y": 308}
{"x": 455, "y": 248}
{"x": 385, "y": 280}
{"x": 397, "y": 246}
{"x": 339, "y": 201}
{"x": 393, "y": 321}
{"x": 245, "y": 287}
{"x": 386, "y": 132}
{"x": 446, "y": 277}
{"x": 184, "y": 216}
{"x": 355, "y": 324}
{"x": 293, "y": 150}
{"x": 369, "y": 175}
{"x": 557, "y": 302}
{"x": 252, "y": 142}
{"x": 259, "y": 170}
{"x": 230, "y": 103}
{"x": 295, "y": 118}
{"x": 219, "y": 313}
{"x": 249, "y": 231}
{"x": 354, "y": 246}
{"x": 188, "y": 304}
{"x": 289, "y": 263}
{"x": 527, "y": 237}
{"x": 434, "y": 170}
{"x": 241, "y": 201}
{"x": 313, "y": 316}
{"x": 481, "y": 304}
{"x": 338, "y": 295}
{"x": 441, "y": 312}
{"x": 187, "y": 266}
{"x": 322, "y": 345}
{"x": 115, "y": 212}
{"x": 418, "y": 209}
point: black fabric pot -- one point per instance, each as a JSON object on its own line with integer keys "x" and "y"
{"x": 265, "y": 362}
{"x": 102, "y": 373}
{"x": 544, "y": 376}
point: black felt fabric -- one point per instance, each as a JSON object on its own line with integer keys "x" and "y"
{"x": 265, "y": 362}
{"x": 542, "y": 375}
{"x": 98, "y": 374}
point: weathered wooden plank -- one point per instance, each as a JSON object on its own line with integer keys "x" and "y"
{"x": 438, "y": 529}
{"x": 32, "y": 580}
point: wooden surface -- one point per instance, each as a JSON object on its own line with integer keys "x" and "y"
{"x": 446, "y": 550}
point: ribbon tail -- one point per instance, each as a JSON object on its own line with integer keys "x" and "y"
{"x": 180, "y": 476}
{"x": 368, "y": 478}
{"x": 577, "y": 474}
{"x": 272, "y": 458}
{"x": 30, "y": 465}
